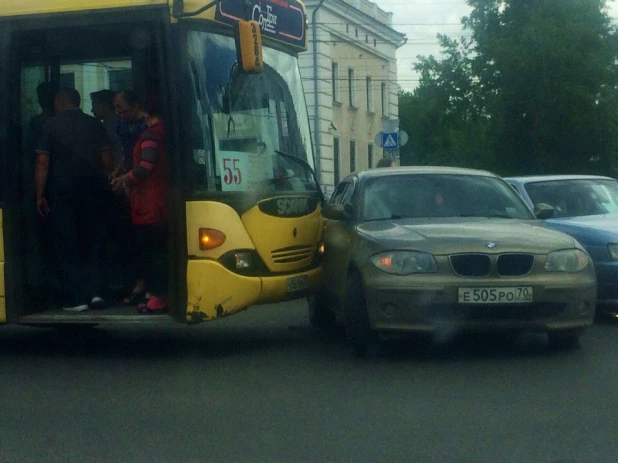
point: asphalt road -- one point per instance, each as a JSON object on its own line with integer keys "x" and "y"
{"x": 263, "y": 386}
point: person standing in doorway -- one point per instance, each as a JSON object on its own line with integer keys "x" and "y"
{"x": 103, "y": 109}
{"x": 43, "y": 288}
{"x": 132, "y": 124}
{"x": 74, "y": 148}
{"x": 146, "y": 186}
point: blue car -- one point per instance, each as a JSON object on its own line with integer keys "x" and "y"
{"x": 585, "y": 207}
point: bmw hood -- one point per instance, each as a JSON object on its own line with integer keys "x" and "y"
{"x": 452, "y": 236}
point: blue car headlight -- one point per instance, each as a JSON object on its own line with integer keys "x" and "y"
{"x": 613, "y": 250}
{"x": 569, "y": 261}
{"x": 405, "y": 262}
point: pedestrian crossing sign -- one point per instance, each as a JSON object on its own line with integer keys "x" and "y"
{"x": 390, "y": 140}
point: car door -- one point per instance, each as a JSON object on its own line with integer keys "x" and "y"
{"x": 339, "y": 240}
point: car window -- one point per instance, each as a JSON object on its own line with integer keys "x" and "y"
{"x": 440, "y": 195}
{"x": 338, "y": 193}
{"x": 575, "y": 198}
{"x": 348, "y": 194}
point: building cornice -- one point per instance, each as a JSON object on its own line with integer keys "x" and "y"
{"x": 360, "y": 44}
{"x": 362, "y": 20}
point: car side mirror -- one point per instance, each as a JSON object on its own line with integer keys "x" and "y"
{"x": 336, "y": 212}
{"x": 543, "y": 211}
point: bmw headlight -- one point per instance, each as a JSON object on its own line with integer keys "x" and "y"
{"x": 570, "y": 261}
{"x": 613, "y": 250}
{"x": 405, "y": 262}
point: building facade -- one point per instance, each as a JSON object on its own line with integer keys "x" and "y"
{"x": 349, "y": 75}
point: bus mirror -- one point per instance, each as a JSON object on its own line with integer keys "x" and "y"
{"x": 249, "y": 46}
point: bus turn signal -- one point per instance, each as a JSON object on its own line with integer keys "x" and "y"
{"x": 211, "y": 238}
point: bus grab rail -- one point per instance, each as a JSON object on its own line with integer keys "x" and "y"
{"x": 179, "y": 5}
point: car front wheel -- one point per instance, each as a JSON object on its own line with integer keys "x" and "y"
{"x": 356, "y": 318}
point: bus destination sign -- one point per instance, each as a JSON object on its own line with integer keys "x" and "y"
{"x": 282, "y": 20}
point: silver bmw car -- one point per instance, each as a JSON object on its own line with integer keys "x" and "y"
{"x": 444, "y": 250}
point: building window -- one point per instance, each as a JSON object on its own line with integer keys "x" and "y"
{"x": 351, "y": 87}
{"x": 120, "y": 79}
{"x": 67, "y": 80}
{"x": 347, "y": 28}
{"x": 366, "y": 38}
{"x": 336, "y": 159}
{"x": 384, "y": 98}
{"x": 335, "y": 78}
{"x": 369, "y": 95}
{"x": 356, "y": 33}
{"x": 352, "y": 156}
{"x": 370, "y": 155}
{"x": 375, "y": 43}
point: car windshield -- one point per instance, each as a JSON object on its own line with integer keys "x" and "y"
{"x": 576, "y": 198}
{"x": 440, "y": 195}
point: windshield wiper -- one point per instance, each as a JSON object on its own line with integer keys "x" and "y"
{"x": 486, "y": 216}
{"x": 308, "y": 167}
{"x": 392, "y": 217}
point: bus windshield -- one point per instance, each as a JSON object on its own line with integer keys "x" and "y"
{"x": 250, "y": 131}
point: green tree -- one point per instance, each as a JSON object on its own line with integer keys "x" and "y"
{"x": 533, "y": 90}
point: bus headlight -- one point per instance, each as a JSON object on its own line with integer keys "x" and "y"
{"x": 243, "y": 259}
{"x": 244, "y": 262}
{"x": 613, "y": 250}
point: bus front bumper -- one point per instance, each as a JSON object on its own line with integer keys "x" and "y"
{"x": 213, "y": 291}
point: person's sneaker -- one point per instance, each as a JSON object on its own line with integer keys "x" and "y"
{"x": 76, "y": 308}
{"x": 97, "y": 303}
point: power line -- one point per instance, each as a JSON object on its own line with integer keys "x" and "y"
{"x": 352, "y": 24}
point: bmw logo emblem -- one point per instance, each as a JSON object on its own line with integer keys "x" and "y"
{"x": 491, "y": 245}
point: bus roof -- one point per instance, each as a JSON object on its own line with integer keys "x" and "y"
{"x": 39, "y": 7}
{"x": 281, "y": 20}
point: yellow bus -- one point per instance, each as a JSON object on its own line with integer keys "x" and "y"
{"x": 245, "y": 224}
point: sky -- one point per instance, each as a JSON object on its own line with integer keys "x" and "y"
{"x": 421, "y": 20}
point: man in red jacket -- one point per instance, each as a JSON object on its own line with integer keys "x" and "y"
{"x": 146, "y": 186}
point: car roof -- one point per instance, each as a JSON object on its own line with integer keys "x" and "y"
{"x": 553, "y": 178}
{"x": 389, "y": 171}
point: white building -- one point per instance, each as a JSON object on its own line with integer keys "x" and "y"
{"x": 349, "y": 75}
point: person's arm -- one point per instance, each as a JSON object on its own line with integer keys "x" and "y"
{"x": 106, "y": 157}
{"x": 103, "y": 143}
{"x": 41, "y": 170}
{"x": 40, "y": 179}
{"x": 149, "y": 154}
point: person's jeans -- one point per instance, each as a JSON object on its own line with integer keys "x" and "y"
{"x": 79, "y": 219}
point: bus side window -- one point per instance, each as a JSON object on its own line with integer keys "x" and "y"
{"x": 200, "y": 130}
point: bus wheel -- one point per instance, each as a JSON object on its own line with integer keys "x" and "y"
{"x": 320, "y": 316}
{"x": 362, "y": 338}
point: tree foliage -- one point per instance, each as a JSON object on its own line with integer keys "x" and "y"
{"x": 532, "y": 89}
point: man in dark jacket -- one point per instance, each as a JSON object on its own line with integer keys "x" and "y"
{"x": 77, "y": 147}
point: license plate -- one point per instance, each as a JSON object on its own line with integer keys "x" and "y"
{"x": 298, "y": 283}
{"x": 509, "y": 295}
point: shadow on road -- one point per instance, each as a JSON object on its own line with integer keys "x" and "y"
{"x": 216, "y": 342}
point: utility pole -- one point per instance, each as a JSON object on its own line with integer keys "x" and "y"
{"x": 316, "y": 102}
